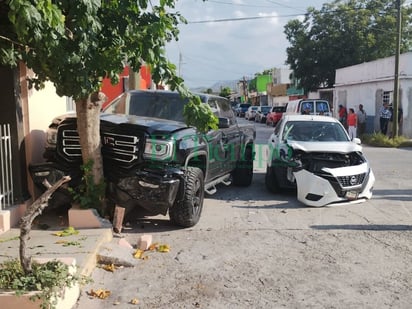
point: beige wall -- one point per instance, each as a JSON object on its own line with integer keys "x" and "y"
{"x": 43, "y": 106}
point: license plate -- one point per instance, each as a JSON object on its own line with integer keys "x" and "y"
{"x": 351, "y": 195}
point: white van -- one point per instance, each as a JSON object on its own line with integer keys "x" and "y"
{"x": 309, "y": 106}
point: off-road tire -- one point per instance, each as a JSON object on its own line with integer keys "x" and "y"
{"x": 242, "y": 175}
{"x": 271, "y": 181}
{"x": 186, "y": 212}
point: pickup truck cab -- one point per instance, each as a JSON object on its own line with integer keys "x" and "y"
{"x": 152, "y": 159}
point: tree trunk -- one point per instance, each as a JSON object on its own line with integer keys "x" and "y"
{"x": 88, "y": 127}
{"x": 26, "y": 221}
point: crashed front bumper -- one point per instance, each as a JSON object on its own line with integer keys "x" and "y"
{"x": 151, "y": 191}
{"x": 335, "y": 185}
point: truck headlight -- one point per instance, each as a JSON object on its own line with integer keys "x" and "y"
{"x": 158, "y": 150}
{"x": 51, "y": 135}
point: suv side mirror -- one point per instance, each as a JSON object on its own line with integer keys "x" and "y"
{"x": 357, "y": 140}
{"x": 223, "y": 123}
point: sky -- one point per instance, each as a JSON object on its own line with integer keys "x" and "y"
{"x": 210, "y": 52}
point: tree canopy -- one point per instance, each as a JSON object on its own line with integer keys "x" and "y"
{"x": 343, "y": 33}
{"x": 75, "y": 44}
{"x": 225, "y": 92}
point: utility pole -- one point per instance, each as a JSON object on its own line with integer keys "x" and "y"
{"x": 180, "y": 64}
{"x": 245, "y": 89}
{"x": 395, "y": 129}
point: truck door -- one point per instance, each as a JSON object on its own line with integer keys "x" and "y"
{"x": 231, "y": 137}
{"x": 223, "y": 143}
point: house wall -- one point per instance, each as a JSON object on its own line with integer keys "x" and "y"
{"x": 281, "y": 76}
{"x": 43, "y": 106}
{"x": 366, "y": 83}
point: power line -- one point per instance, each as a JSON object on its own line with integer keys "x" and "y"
{"x": 241, "y": 19}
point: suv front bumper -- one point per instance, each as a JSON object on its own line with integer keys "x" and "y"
{"x": 151, "y": 191}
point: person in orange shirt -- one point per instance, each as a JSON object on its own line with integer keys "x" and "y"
{"x": 352, "y": 121}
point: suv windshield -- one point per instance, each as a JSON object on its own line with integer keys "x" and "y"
{"x": 164, "y": 105}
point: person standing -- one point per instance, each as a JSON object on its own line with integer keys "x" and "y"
{"x": 352, "y": 123}
{"x": 361, "y": 116}
{"x": 342, "y": 115}
{"x": 384, "y": 117}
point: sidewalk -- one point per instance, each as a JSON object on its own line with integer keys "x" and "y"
{"x": 43, "y": 243}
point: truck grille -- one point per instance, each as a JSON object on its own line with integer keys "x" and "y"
{"x": 115, "y": 147}
{"x": 71, "y": 143}
{"x": 118, "y": 147}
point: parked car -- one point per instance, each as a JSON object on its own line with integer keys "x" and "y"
{"x": 275, "y": 115}
{"x": 251, "y": 112}
{"x": 315, "y": 155}
{"x": 262, "y": 113}
{"x": 152, "y": 160}
{"x": 242, "y": 109}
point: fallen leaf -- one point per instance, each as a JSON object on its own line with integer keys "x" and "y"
{"x": 67, "y": 232}
{"x": 109, "y": 267}
{"x": 100, "y": 293}
{"x": 163, "y": 248}
{"x": 134, "y": 301}
{"x": 153, "y": 246}
{"x": 138, "y": 254}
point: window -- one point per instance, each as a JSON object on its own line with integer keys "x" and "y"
{"x": 387, "y": 97}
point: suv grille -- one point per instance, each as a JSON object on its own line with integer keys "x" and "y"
{"x": 115, "y": 147}
{"x": 71, "y": 143}
{"x": 123, "y": 148}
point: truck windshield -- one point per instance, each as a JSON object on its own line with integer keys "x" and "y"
{"x": 165, "y": 105}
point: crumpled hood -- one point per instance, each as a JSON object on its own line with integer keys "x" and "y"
{"x": 334, "y": 147}
{"x": 150, "y": 125}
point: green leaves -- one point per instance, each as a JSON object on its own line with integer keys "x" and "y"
{"x": 48, "y": 278}
{"x": 199, "y": 115}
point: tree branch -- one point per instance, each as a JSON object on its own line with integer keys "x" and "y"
{"x": 32, "y": 212}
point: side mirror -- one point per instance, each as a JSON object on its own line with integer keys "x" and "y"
{"x": 223, "y": 123}
{"x": 357, "y": 140}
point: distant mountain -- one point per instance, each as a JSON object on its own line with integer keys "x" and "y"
{"x": 216, "y": 87}
{"x": 232, "y": 84}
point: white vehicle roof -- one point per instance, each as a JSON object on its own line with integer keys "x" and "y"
{"x": 298, "y": 117}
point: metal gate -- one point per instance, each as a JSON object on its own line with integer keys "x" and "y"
{"x": 6, "y": 177}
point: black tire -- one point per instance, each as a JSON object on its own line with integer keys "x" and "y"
{"x": 243, "y": 173}
{"x": 186, "y": 212}
{"x": 271, "y": 181}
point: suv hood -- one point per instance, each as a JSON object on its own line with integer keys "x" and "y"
{"x": 328, "y": 147}
{"x": 148, "y": 124}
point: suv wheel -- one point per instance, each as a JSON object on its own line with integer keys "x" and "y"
{"x": 270, "y": 180}
{"x": 243, "y": 173}
{"x": 186, "y": 212}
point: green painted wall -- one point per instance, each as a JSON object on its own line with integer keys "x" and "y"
{"x": 262, "y": 81}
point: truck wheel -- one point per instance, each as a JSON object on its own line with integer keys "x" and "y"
{"x": 186, "y": 212}
{"x": 270, "y": 180}
{"x": 243, "y": 173}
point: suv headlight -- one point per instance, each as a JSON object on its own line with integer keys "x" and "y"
{"x": 158, "y": 150}
{"x": 51, "y": 137}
